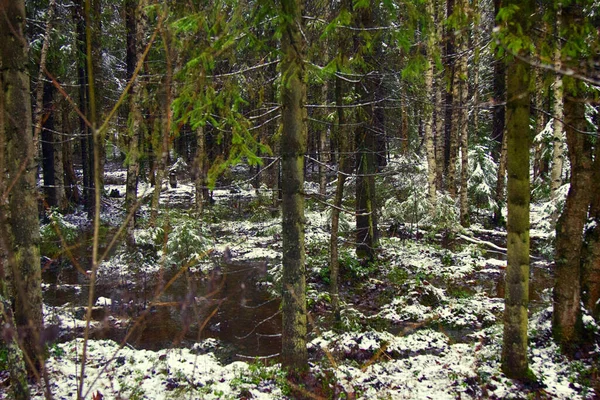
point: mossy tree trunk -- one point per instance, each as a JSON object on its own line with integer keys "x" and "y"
{"x": 518, "y": 132}
{"x": 366, "y": 147}
{"x": 293, "y": 147}
{"x": 165, "y": 127}
{"x": 439, "y": 109}
{"x": 344, "y": 168}
{"x": 135, "y": 124}
{"x": 85, "y": 134}
{"x": 461, "y": 111}
{"x": 451, "y": 138}
{"x": 590, "y": 272}
{"x": 567, "y": 321}
{"x": 498, "y": 126}
{"x": 20, "y": 216}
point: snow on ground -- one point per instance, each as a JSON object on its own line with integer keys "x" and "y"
{"x": 440, "y": 333}
{"x": 125, "y": 373}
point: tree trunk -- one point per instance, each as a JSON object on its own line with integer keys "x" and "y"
{"x": 293, "y": 147}
{"x": 540, "y": 166}
{"x": 451, "y": 151}
{"x": 461, "y": 111}
{"x": 19, "y": 218}
{"x": 70, "y": 183}
{"x": 135, "y": 121}
{"x": 366, "y": 207}
{"x": 85, "y": 134}
{"x": 48, "y": 146}
{"x": 428, "y": 117}
{"x": 440, "y": 113}
{"x": 498, "y": 124}
{"x": 590, "y": 271}
{"x": 516, "y": 300}
{"x": 200, "y": 170}
{"x": 567, "y": 321}
{"x": 323, "y": 139}
{"x": 343, "y": 142}
{"x": 557, "y": 137}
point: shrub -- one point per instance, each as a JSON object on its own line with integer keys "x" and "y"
{"x": 56, "y": 234}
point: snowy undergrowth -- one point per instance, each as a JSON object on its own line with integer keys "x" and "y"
{"x": 165, "y": 374}
{"x": 441, "y": 334}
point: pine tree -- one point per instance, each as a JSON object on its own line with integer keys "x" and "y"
{"x": 293, "y": 146}
{"x": 514, "y": 348}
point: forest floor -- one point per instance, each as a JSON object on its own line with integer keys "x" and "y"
{"x": 195, "y": 313}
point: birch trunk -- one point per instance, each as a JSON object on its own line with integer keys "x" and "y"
{"x": 558, "y": 136}
{"x": 440, "y": 137}
{"x": 428, "y": 117}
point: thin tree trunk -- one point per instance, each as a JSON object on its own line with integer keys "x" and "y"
{"x": 366, "y": 207}
{"x": 461, "y": 124}
{"x": 539, "y": 167}
{"x": 450, "y": 138}
{"x": 514, "y": 348}
{"x": 48, "y": 146}
{"x": 135, "y": 122}
{"x": 428, "y": 117}
{"x": 343, "y": 141}
{"x": 71, "y": 189}
{"x": 498, "y": 124}
{"x": 323, "y": 139}
{"x": 200, "y": 170}
{"x": 166, "y": 128}
{"x": 85, "y": 135}
{"x": 293, "y": 147}
{"x": 558, "y": 136}
{"x": 439, "y": 109}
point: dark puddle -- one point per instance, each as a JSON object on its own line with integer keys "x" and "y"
{"x": 228, "y": 306}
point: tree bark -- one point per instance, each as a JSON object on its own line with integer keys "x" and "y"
{"x": 165, "y": 131}
{"x": 200, "y": 170}
{"x": 498, "y": 125}
{"x": 461, "y": 110}
{"x": 20, "y": 217}
{"x": 293, "y": 147}
{"x": 135, "y": 121}
{"x": 70, "y": 183}
{"x": 84, "y": 132}
{"x": 440, "y": 113}
{"x": 366, "y": 207}
{"x": 48, "y": 146}
{"x": 451, "y": 148}
{"x": 590, "y": 271}
{"x": 323, "y": 140}
{"x": 343, "y": 170}
{"x": 428, "y": 117}
{"x": 567, "y": 323}
{"x": 558, "y": 136}
{"x": 516, "y": 300}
